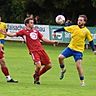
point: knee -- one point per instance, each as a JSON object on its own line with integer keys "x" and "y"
{"x": 78, "y": 64}
{"x": 2, "y": 63}
{"x": 38, "y": 65}
{"x": 49, "y": 66}
{"x": 60, "y": 57}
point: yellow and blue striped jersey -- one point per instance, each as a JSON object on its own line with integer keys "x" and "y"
{"x": 78, "y": 36}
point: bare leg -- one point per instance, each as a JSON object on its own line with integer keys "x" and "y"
{"x": 3, "y": 67}
{"x": 6, "y": 72}
{"x": 36, "y": 74}
{"x": 80, "y": 71}
{"x": 62, "y": 66}
{"x": 45, "y": 69}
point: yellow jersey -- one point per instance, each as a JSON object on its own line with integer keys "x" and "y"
{"x": 3, "y": 26}
{"x": 78, "y": 36}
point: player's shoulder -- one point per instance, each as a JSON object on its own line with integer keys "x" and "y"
{"x": 21, "y": 31}
{"x": 87, "y": 29}
{"x": 74, "y": 25}
{"x": 3, "y": 23}
{"x": 35, "y": 29}
{"x": 71, "y": 27}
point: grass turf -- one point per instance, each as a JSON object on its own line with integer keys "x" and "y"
{"x": 21, "y": 67}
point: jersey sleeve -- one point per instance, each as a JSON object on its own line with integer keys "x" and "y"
{"x": 40, "y": 35}
{"x": 69, "y": 28}
{"x": 89, "y": 36}
{"x": 20, "y": 33}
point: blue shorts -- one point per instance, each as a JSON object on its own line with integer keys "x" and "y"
{"x": 2, "y": 41}
{"x": 69, "y": 52}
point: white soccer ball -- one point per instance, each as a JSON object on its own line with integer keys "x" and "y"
{"x": 60, "y": 19}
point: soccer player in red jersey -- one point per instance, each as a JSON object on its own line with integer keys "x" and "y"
{"x": 39, "y": 56}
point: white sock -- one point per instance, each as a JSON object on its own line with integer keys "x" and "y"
{"x": 8, "y": 77}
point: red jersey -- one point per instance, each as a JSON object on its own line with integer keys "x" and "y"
{"x": 33, "y": 38}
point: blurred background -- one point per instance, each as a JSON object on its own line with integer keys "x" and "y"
{"x": 15, "y": 11}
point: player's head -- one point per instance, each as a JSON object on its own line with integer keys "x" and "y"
{"x": 82, "y": 19}
{"x": 29, "y": 22}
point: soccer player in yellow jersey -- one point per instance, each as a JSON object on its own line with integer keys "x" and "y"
{"x": 76, "y": 46}
{"x": 4, "y": 68}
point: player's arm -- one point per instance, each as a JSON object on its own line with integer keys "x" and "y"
{"x": 49, "y": 41}
{"x": 41, "y": 37}
{"x": 11, "y": 34}
{"x": 59, "y": 30}
{"x": 4, "y": 32}
{"x": 91, "y": 43}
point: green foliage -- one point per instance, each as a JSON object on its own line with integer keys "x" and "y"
{"x": 39, "y": 2}
{"x": 61, "y": 4}
{"x": 94, "y": 3}
{"x": 15, "y": 10}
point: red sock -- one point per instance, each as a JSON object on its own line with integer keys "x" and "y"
{"x": 5, "y": 71}
{"x": 44, "y": 69}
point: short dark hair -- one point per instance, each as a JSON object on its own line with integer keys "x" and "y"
{"x": 84, "y": 16}
{"x": 26, "y": 21}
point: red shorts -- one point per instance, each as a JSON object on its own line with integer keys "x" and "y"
{"x": 1, "y": 53}
{"x": 40, "y": 56}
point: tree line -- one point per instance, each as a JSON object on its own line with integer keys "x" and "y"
{"x": 14, "y": 11}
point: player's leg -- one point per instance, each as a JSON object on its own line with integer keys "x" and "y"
{"x": 36, "y": 74}
{"x": 80, "y": 72}
{"x": 65, "y": 54}
{"x": 5, "y": 69}
{"x": 45, "y": 68}
{"x": 46, "y": 62}
{"x": 78, "y": 59}
{"x": 62, "y": 66}
{"x": 36, "y": 58}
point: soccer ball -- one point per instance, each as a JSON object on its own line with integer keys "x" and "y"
{"x": 60, "y": 19}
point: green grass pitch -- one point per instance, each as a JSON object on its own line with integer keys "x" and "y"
{"x": 21, "y": 67}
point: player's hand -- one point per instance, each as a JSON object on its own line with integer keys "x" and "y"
{"x": 54, "y": 34}
{"x": 56, "y": 42}
{"x": 94, "y": 52}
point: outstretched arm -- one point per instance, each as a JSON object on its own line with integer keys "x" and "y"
{"x": 59, "y": 30}
{"x": 92, "y": 46}
{"x": 11, "y": 34}
{"x": 4, "y": 32}
{"x": 49, "y": 41}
